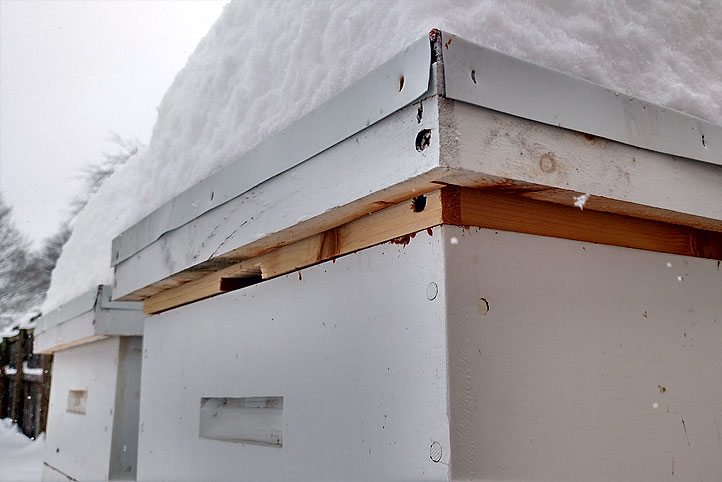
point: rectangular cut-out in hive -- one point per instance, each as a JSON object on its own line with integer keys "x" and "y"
{"x": 77, "y": 401}
{"x": 252, "y": 420}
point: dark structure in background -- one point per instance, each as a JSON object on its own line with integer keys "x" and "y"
{"x": 24, "y": 383}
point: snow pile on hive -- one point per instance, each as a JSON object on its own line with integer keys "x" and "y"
{"x": 266, "y": 63}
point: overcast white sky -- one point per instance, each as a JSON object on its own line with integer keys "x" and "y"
{"x": 70, "y": 73}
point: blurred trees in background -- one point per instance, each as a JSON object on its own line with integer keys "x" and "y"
{"x": 25, "y": 273}
{"x": 15, "y": 261}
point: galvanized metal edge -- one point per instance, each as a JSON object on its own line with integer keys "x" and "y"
{"x": 392, "y": 86}
{"x": 90, "y": 300}
{"x": 487, "y": 78}
{"x": 107, "y": 303}
{"x": 72, "y": 309}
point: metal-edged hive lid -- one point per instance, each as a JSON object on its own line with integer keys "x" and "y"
{"x": 88, "y": 317}
{"x": 361, "y": 151}
{"x": 471, "y": 74}
{"x": 487, "y": 78}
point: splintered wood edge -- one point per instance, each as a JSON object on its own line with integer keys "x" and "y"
{"x": 455, "y": 206}
{"x": 389, "y": 224}
{"x": 337, "y": 216}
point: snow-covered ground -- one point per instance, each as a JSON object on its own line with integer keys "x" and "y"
{"x": 266, "y": 63}
{"x": 21, "y": 459}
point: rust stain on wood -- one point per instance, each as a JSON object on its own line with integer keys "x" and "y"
{"x": 403, "y": 240}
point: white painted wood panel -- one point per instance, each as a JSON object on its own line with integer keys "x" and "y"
{"x": 79, "y": 445}
{"x": 487, "y": 78}
{"x": 403, "y": 79}
{"x": 372, "y": 162}
{"x": 251, "y": 420}
{"x": 355, "y": 348}
{"x": 593, "y": 362}
{"x": 480, "y": 143}
{"x": 89, "y": 327}
{"x": 101, "y": 442}
{"x": 78, "y": 331}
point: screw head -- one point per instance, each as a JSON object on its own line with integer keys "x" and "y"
{"x": 432, "y": 290}
{"x": 435, "y": 452}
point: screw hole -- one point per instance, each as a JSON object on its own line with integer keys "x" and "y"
{"x": 401, "y": 83}
{"x": 435, "y": 452}
{"x": 483, "y": 306}
{"x": 418, "y": 203}
{"x": 704, "y": 144}
{"x": 473, "y": 76}
{"x": 432, "y": 291}
{"x": 423, "y": 139}
{"x": 212, "y": 195}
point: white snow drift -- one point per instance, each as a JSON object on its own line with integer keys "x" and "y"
{"x": 266, "y": 63}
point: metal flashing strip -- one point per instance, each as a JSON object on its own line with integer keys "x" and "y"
{"x": 96, "y": 298}
{"x": 395, "y": 84}
{"x": 67, "y": 311}
{"x": 107, "y": 303}
{"x": 487, "y": 78}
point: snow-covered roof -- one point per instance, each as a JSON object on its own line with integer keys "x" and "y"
{"x": 264, "y": 65}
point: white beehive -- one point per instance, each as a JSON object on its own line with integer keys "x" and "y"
{"x": 92, "y": 430}
{"x": 464, "y": 267}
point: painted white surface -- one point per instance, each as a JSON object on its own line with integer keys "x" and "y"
{"x": 356, "y": 349}
{"x": 485, "y": 77}
{"x": 392, "y": 86}
{"x": 80, "y": 445}
{"x": 586, "y": 364}
{"x": 481, "y": 142}
{"x": 566, "y": 361}
{"x": 376, "y": 159}
{"x": 79, "y": 330}
{"x": 253, "y": 420}
{"x": 88, "y": 328}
